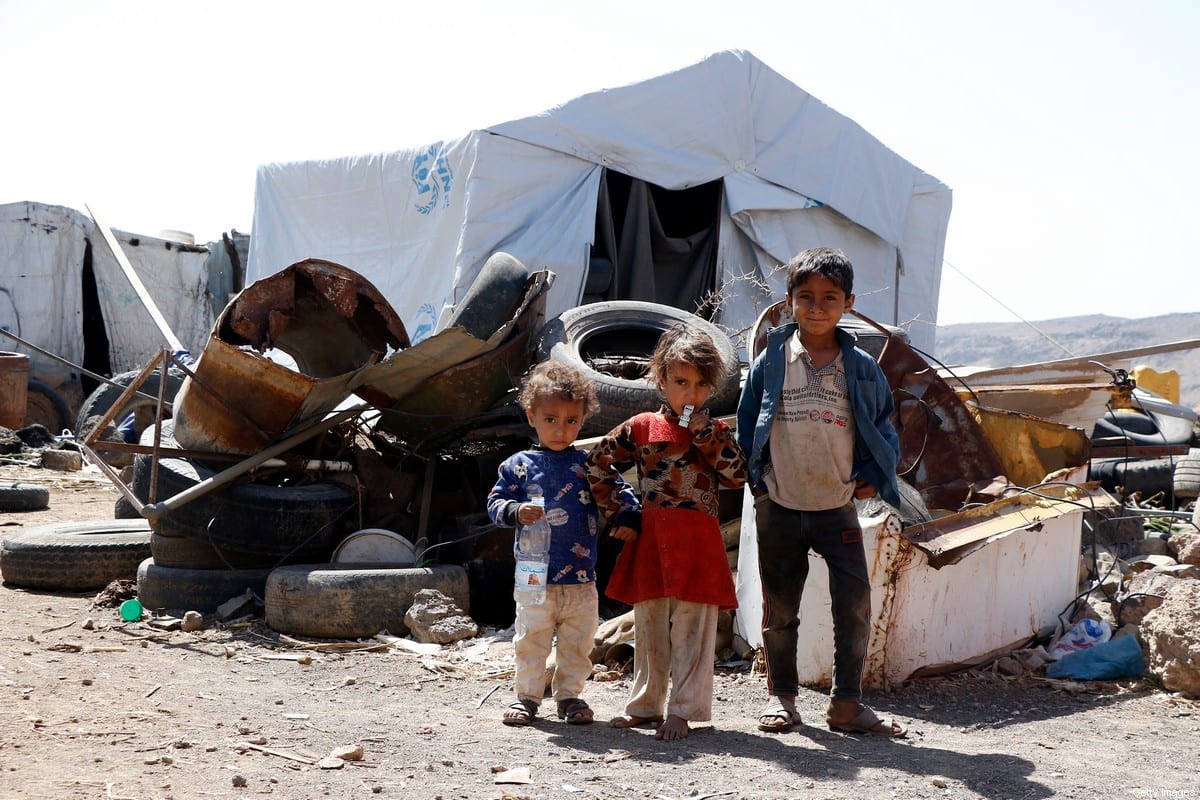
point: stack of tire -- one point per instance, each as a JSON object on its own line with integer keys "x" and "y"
{"x": 1176, "y": 477}
{"x": 275, "y": 541}
{"x": 1186, "y": 478}
{"x": 74, "y": 556}
{"x": 221, "y": 543}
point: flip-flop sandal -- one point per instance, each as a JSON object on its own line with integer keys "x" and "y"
{"x": 520, "y": 713}
{"x": 867, "y": 721}
{"x": 788, "y": 719}
{"x": 575, "y": 711}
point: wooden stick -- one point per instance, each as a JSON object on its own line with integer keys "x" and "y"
{"x": 483, "y": 699}
{"x": 281, "y": 753}
{"x": 135, "y": 280}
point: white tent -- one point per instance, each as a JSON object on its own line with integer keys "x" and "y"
{"x": 44, "y": 251}
{"x": 792, "y": 173}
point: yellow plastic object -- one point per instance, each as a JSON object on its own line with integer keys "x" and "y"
{"x": 1164, "y": 384}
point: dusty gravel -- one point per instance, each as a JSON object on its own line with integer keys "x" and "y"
{"x": 92, "y": 707}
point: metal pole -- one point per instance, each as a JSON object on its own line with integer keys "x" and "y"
{"x": 61, "y": 360}
{"x": 156, "y": 510}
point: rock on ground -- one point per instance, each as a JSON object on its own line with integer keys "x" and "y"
{"x": 1172, "y": 636}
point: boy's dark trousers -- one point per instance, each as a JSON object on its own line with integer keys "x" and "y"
{"x": 785, "y": 537}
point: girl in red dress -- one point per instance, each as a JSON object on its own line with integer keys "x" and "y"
{"x": 674, "y": 572}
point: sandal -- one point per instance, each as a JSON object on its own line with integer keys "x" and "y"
{"x": 867, "y": 721}
{"x": 520, "y": 713}
{"x": 575, "y": 711}
{"x": 777, "y": 718}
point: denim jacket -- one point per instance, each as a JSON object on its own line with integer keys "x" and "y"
{"x": 876, "y": 444}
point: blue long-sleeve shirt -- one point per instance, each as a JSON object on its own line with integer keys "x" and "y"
{"x": 561, "y": 478}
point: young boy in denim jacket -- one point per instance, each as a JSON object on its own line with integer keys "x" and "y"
{"x": 815, "y": 421}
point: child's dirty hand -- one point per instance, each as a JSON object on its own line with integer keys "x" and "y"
{"x": 699, "y": 421}
{"x": 528, "y": 513}
{"x": 863, "y": 490}
{"x": 624, "y": 533}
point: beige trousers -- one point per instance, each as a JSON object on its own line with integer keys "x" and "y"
{"x": 674, "y": 642}
{"x": 572, "y": 612}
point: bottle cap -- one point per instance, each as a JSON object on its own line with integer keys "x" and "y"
{"x": 131, "y": 610}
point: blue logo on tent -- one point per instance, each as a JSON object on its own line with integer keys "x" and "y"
{"x": 426, "y": 319}
{"x": 432, "y": 176}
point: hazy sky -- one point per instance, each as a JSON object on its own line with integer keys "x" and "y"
{"x": 1068, "y": 131}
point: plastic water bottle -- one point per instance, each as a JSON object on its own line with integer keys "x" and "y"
{"x": 533, "y": 559}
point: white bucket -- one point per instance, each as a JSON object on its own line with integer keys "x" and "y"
{"x": 171, "y": 235}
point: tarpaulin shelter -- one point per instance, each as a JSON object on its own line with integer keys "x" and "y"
{"x": 62, "y": 290}
{"x": 666, "y": 190}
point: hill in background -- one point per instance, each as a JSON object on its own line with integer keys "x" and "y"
{"x": 1002, "y": 344}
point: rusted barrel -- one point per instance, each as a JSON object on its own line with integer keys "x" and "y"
{"x": 14, "y": 389}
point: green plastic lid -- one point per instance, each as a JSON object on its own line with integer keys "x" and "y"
{"x": 131, "y": 610}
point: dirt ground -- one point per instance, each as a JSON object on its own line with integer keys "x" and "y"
{"x": 93, "y": 707}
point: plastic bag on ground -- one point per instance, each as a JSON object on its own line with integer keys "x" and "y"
{"x": 1117, "y": 658}
{"x": 1083, "y": 634}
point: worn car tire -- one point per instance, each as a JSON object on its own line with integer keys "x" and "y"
{"x": 298, "y": 523}
{"x": 202, "y": 590}
{"x": 74, "y": 556}
{"x": 139, "y": 483}
{"x": 492, "y": 297}
{"x": 1144, "y": 427}
{"x": 23, "y": 497}
{"x": 1147, "y": 476}
{"x": 628, "y": 330}
{"x": 1186, "y": 478}
{"x": 180, "y": 552}
{"x": 351, "y": 601}
{"x": 45, "y": 406}
{"x": 102, "y": 399}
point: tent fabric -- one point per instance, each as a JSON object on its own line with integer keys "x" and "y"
{"x": 43, "y": 250}
{"x": 419, "y": 223}
{"x": 41, "y": 284}
{"x": 176, "y": 276}
{"x": 675, "y": 267}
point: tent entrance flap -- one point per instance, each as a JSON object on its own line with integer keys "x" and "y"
{"x": 654, "y": 244}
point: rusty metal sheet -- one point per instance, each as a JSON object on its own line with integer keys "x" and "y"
{"x": 1075, "y": 404}
{"x": 388, "y": 384}
{"x": 329, "y": 319}
{"x": 944, "y": 452}
{"x": 1120, "y": 447}
{"x": 1031, "y": 448}
{"x": 451, "y": 399}
{"x": 1076, "y": 369}
{"x": 440, "y": 384}
{"x": 950, "y": 539}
